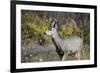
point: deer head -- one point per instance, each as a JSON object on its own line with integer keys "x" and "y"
{"x": 52, "y": 29}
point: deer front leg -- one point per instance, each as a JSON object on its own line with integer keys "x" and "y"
{"x": 64, "y": 56}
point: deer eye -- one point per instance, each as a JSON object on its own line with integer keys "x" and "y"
{"x": 51, "y": 29}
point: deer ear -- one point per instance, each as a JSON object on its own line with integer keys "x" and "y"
{"x": 55, "y": 25}
{"x": 50, "y": 19}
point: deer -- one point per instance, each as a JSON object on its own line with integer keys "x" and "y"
{"x": 64, "y": 47}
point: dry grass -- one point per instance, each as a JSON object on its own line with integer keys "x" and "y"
{"x": 52, "y": 56}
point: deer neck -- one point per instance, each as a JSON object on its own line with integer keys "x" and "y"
{"x": 57, "y": 41}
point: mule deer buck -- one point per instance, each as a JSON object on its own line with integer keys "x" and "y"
{"x": 65, "y": 47}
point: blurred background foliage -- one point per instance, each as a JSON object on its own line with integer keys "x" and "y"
{"x": 35, "y": 23}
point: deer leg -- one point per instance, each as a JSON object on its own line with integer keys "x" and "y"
{"x": 64, "y": 56}
{"x": 61, "y": 53}
{"x": 78, "y": 55}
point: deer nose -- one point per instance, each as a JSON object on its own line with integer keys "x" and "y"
{"x": 44, "y": 32}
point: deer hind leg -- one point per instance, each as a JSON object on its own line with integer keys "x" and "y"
{"x": 64, "y": 56}
{"x": 78, "y": 55}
